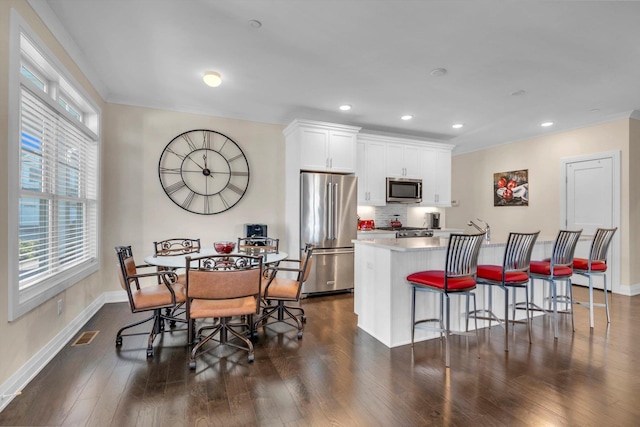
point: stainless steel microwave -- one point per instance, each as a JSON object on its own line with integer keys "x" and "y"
{"x": 404, "y": 190}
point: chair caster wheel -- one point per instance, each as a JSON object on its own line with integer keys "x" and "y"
{"x": 250, "y": 358}
{"x": 172, "y": 324}
{"x": 303, "y": 319}
{"x": 299, "y": 335}
{"x": 192, "y": 365}
{"x": 149, "y": 353}
{"x": 119, "y": 341}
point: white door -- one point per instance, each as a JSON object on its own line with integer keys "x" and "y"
{"x": 591, "y": 200}
{"x": 589, "y": 195}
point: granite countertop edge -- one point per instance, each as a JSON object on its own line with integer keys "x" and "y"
{"x": 417, "y": 244}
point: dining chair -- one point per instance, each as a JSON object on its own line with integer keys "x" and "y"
{"x": 280, "y": 293}
{"x": 144, "y": 293}
{"x": 457, "y": 278}
{"x": 596, "y": 265}
{"x": 225, "y": 288}
{"x": 176, "y": 247}
{"x": 513, "y": 273}
{"x": 557, "y": 268}
{"x": 257, "y": 245}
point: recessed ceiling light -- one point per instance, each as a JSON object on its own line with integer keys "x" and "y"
{"x": 546, "y": 124}
{"x": 255, "y": 23}
{"x": 519, "y": 92}
{"x": 345, "y": 107}
{"x": 212, "y": 78}
{"x": 407, "y": 117}
{"x": 595, "y": 110}
{"x": 439, "y": 72}
{"x": 457, "y": 126}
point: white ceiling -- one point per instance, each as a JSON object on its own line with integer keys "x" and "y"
{"x": 578, "y": 62}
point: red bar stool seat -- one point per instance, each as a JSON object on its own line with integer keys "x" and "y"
{"x": 558, "y": 268}
{"x": 596, "y": 265}
{"x": 458, "y": 278}
{"x": 513, "y": 273}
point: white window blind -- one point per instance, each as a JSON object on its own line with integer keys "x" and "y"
{"x": 58, "y": 193}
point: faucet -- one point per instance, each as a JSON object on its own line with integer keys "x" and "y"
{"x": 486, "y": 230}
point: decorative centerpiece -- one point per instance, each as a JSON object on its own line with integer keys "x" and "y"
{"x": 224, "y": 247}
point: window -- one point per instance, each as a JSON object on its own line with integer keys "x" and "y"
{"x": 54, "y": 185}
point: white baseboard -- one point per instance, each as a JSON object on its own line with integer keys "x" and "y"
{"x": 629, "y": 290}
{"x": 13, "y": 386}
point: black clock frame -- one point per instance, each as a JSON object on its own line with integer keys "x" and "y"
{"x": 169, "y": 189}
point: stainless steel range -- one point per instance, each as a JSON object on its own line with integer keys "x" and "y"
{"x": 404, "y": 232}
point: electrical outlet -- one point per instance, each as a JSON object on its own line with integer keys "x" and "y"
{"x": 455, "y": 203}
{"x": 59, "y": 307}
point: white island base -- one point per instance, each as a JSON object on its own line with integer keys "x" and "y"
{"x": 382, "y": 296}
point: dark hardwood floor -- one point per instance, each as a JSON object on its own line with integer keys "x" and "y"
{"x": 338, "y": 375}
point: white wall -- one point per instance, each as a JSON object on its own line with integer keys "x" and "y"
{"x": 472, "y": 182}
{"x": 24, "y": 337}
{"x": 137, "y": 211}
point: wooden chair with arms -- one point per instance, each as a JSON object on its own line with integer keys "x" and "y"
{"x": 146, "y": 294}
{"x": 176, "y": 247}
{"x": 222, "y": 287}
{"x": 258, "y": 245}
{"x": 279, "y": 292}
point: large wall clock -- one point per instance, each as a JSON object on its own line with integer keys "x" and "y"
{"x": 204, "y": 171}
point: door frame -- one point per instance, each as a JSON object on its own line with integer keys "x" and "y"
{"x": 615, "y": 249}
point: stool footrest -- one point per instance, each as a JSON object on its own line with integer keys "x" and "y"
{"x": 534, "y": 307}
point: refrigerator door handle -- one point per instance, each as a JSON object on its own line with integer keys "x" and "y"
{"x": 334, "y": 211}
{"x": 329, "y": 211}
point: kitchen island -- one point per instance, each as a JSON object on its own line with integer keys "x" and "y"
{"x": 382, "y": 296}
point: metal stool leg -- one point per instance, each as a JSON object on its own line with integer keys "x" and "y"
{"x": 413, "y": 314}
{"x": 446, "y": 333}
{"x": 606, "y": 298}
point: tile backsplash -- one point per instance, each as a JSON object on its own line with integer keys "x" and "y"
{"x": 385, "y": 214}
{"x": 409, "y": 216}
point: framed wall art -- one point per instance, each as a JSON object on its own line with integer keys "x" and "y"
{"x": 511, "y": 188}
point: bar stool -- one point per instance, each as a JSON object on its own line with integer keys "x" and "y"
{"x": 513, "y": 273}
{"x": 596, "y": 265}
{"x": 458, "y": 278}
{"x": 558, "y": 268}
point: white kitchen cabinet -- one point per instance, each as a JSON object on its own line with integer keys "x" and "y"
{"x": 312, "y": 146}
{"x": 404, "y": 160}
{"x": 436, "y": 178}
{"x": 324, "y": 147}
{"x": 370, "y": 169}
{"x": 443, "y": 178}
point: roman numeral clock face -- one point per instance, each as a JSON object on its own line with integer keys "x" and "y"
{"x": 204, "y": 172}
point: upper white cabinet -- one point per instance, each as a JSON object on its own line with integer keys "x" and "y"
{"x": 404, "y": 160}
{"x": 320, "y": 146}
{"x": 436, "y": 179}
{"x": 371, "y": 171}
{"x": 386, "y": 156}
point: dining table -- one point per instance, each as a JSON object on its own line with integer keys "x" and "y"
{"x": 180, "y": 261}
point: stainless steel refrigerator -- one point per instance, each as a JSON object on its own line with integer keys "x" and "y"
{"x": 328, "y": 220}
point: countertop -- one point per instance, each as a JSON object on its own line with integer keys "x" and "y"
{"x": 435, "y": 243}
{"x": 436, "y": 230}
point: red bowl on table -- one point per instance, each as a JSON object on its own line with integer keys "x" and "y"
{"x": 224, "y": 247}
